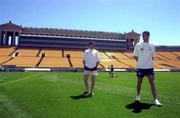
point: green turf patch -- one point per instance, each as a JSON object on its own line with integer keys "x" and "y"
{"x": 50, "y": 95}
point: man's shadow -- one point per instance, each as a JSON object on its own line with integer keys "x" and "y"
{"x": 137, "y": 107}
{"x": 81, "y": 96}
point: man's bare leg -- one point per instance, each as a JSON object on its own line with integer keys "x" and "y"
{"x": 86, "y": 82}
{"x": 153, "y": 89}
{"x": 93, "y": 83}
{"x": 139, "y": 83}
{"x": 153, "y": 86}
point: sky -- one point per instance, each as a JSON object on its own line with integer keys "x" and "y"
{"x": 160, "y": 17}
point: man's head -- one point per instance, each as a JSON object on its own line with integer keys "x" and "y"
{"x": 92, "y": 44}
{"x": 145, "y": 36}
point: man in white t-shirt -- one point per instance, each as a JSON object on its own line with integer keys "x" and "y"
{"x": 144, "y": 55}
{"x": 91, "y": 61}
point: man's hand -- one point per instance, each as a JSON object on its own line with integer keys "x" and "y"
{"x": 83, "y": 62}
{"x": 97, "y": 63}
{"x": 136, "y": 58}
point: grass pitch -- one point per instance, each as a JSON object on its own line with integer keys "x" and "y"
{"x": 50, "y": 95}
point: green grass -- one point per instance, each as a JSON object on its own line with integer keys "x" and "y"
{"x": 48, "y": 95}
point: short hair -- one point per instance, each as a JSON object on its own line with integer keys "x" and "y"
{"x": 146, "y": 32}
{"x": 92, "y": 43}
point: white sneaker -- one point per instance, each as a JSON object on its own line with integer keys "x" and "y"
{"x": 157, "y": 103}
{"x": 137, "y": 98}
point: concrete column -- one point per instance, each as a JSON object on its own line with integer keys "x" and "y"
{"x": 18, "y": 39}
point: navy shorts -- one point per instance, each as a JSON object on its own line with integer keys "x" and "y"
{"x": 144, "y": 72}
{"x": 90, "y": 69}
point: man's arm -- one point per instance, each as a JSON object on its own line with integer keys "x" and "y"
{"x": 83, "y": 62}
{"x": 97, "y": 63}
{"x": 98, "y": 59}
{"x": 135, "y": 53}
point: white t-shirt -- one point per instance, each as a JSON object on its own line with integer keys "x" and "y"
{"x": 145, "y": 53}
{"x": 91, "y": 57}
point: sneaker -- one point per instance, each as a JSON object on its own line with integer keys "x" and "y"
{"x": 157, "y": 103}
{"x": 86, "y": 93}
{"x": 91, "y": 94}
{"x": 137, "y": 98}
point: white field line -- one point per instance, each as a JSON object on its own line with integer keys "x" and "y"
{"x": 14, "y": 81}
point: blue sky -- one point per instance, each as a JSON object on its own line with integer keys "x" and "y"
{"x": 160, "y": 17}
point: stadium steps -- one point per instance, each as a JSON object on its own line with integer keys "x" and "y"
{"x": 102, "y": 66}
{"x": 13, "y": 51}
{"x": 124, "y": 63}
{"x": 39, "y": 52}
{"x": 107, "y": 55}
{"x": 177, "y": 56}
{"x": 126, "y": 55}
{"x": 7, "y": 61}
{"x": 62, "y": 51}
{"x": 163, "y": 56}
{"x": 70, "y": 62}
{"x": 40, "y": 60}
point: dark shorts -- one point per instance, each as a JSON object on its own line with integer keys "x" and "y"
{"x": 144, "y": 72}
{"x": 90, "y": 69}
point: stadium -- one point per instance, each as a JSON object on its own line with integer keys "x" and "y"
{"x": 43, "y": 69}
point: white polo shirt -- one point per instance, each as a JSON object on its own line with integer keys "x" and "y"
{"x": 145, "y": 53}
{"x": 91, "y": 57}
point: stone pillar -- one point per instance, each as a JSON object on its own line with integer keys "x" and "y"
{"x": 13, "y": 39}
{"x": 18, "y": 43}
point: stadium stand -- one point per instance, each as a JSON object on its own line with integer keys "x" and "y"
{"x": 54, "y": 59}
{"x": 108, "y": 62}
{"x": 27, "y": 52}
{"x": 51, "y": 53}
{"x": 23, "y": 61}
{"x": 74, "y": 54}
{"x": 116, "y": 55}
{"x": 54, "y": 62}
{"x": 63, "y": 48}
{"x": 7, "y": 51}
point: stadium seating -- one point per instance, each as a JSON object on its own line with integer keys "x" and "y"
{"x": 129, "y": 54}
{"x": 54, "y": 62}
{"x": 23, "y": 61}
{"x": 27, "y": 52}
{"x": 176, "y": 53}
{"x": 51, "y": 53}
{"x": 167, "y": 55}
{"x": 53, "y": 58}
{"x": 6, "y": 51}
{"x": 103, "y": 55}
{"x": 108, "y": 62}
{"x": 4, "y": 59}
{"x": 74, "y": 54}
{"x": 116, "y": 55}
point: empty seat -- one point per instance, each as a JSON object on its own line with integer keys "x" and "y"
{"x": 116, "y": 54}
{"x": 78, "y": 54}
{"x": 4, "y": 58}
{"x": 27, "y": 52}
{"x": 108, "y": 62}
{"x": 6, "y": 51}
{"x": 54, "y": 62}
{"x": 24, "y": 61}
{"x": 52, "y": 53}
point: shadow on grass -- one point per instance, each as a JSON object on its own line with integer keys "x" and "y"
{"x": 81, "y": 96}
{"x": 137, "y": 107}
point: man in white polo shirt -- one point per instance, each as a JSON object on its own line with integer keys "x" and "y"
{"x": 91, "y": 61}
{"x": 144, "y": 55}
